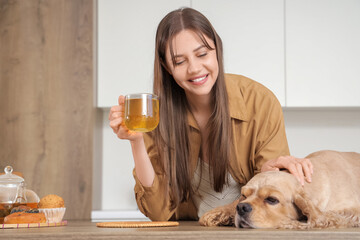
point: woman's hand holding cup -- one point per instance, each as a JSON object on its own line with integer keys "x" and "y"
{"x": 117, "y": 122}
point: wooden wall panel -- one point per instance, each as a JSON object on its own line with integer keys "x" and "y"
{"x": 46, "y": 97}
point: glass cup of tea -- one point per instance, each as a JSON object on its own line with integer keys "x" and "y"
{"x": 141, "y": 112}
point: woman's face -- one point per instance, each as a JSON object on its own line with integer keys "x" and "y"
{"x": 196, "y": 67}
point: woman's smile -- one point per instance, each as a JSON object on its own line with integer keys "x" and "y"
{"x": 199, "y": 80}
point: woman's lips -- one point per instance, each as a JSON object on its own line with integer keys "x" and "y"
{"x": 199, "y": 80}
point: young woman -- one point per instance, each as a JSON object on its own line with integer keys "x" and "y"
{"x": 216, "y": 130}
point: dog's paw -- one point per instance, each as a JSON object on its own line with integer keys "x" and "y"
{"x": 217, "y": 218}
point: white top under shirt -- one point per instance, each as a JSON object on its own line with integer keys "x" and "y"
{"x": 206, "y": 198}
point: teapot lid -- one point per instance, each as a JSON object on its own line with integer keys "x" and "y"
{"x": 9, "y": 177}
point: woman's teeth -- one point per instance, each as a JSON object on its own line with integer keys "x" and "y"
{"x": 199, "y": 79}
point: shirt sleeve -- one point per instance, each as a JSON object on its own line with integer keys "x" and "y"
{"x": 154, "y": 202}
{"x": 272, "y": 141}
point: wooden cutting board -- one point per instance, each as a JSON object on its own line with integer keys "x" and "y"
{"x": 137, "y": 224}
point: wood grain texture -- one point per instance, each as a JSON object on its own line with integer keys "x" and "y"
{"x": 46, "y": 97}
{"x": 186, "y": 230}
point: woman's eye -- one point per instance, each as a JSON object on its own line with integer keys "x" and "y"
{"x": 202, "y": 54}
{"x": 178, "y": 63}
{"x": 271, "y": 200}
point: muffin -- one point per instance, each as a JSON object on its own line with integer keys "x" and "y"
{"x": 53, "y": 207}
{"x": 51, "y": 201}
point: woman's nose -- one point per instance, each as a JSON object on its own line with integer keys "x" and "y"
{"x": 194, "y": 66}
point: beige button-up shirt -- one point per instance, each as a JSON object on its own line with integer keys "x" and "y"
{"x": 258, "y": 134}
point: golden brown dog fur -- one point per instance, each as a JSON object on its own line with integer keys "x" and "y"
{"x": 277, "y": 200}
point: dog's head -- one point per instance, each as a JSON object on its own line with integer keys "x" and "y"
{"x": 273, "y": 199}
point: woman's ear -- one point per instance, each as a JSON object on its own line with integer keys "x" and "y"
{"x": 165, "y": 66}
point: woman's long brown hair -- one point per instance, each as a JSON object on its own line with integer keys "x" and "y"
{"x": 172, "y": 134}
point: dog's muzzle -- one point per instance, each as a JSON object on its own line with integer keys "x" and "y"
{"x": 243, "y": 209}
{"x": 242, "y": 217}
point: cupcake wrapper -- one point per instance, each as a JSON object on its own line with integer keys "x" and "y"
{"x": 53, "y": 215}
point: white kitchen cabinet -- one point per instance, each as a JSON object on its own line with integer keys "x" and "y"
{"x": 126, "y": 45}
{"x": 253, "y": 37}
{"x": 322, "y": 53}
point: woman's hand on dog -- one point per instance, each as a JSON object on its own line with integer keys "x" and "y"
{"x": 301, "y": 168}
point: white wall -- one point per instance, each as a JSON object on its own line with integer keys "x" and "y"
{"x": 314, "y": 129}
{"x": 308, "y": 130}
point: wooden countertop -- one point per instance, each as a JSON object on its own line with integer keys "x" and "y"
{"x": 186, "y": 230}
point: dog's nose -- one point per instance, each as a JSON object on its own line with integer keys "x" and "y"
{"x": 243, "y": 208}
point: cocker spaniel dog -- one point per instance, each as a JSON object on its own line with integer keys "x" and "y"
{"x": 276, "y": 199}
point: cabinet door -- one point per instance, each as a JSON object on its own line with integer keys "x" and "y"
{"x": 253, "y": 38}
{"x": 126, "y": 45}
{"x": 323, "y": 53}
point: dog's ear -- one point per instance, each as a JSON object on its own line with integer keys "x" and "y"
{"x": 315, "y": 218}
{"x": 307, "y": 211}
{"x": 301, "y": 217}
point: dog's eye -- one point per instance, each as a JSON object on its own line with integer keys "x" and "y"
{"x": 271, "y": 200}
{"x": 243, "y": 197}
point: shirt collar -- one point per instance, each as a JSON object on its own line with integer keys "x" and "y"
{"x": 191, "y": 120}
{"x": 237, "y": 105}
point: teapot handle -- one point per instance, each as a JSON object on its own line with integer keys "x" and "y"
{"x": 21, "y": 196}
